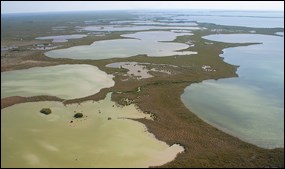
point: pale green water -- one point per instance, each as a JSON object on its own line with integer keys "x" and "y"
{"x": 32, "y": 139}
{"x": 148, "y": 43}
{"x": 64, "y": 81}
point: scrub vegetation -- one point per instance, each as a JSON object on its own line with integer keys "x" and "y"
{"x": 205, "y": 146}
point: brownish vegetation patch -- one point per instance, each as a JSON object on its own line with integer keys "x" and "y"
{"x": 205, "y": 146}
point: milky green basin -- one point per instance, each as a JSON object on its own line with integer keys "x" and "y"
{"x": 149, "y": 43}
{"x": 64, "y": 81}
{"x": 32, "y": 139}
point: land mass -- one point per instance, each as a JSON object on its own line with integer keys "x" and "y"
{"x": 205, "y": 146}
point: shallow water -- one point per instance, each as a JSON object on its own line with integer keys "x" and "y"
{"x": 251, "y": 106}
{"x": 256, "y": 19}
{"x": 237, "y": 21}
{"x": 64, "y": 81}
{"x": 135, "y": 69}
{"x": 62, "y": 38}
{"x": 148, "y": 43}
{"x": 139, "y": 70}
{"x": 149, "y": 22}
{"x": 32, "y": 139}
{"x": 6, "y": 48}
{"x": 59, "y": 28}
{"x": 113, "y": 28}
{"x": 280, "y": 33}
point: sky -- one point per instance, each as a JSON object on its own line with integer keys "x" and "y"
{"x": 57, "y": 6}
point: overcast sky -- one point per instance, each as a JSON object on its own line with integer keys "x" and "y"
{"x": 56, "y": 6}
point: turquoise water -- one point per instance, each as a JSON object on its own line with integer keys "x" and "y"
{"x": 251, "y": 106}
{"x": 149, "y": 43}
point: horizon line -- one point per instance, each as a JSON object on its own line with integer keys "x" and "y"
{"x": 255, "y": 10}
